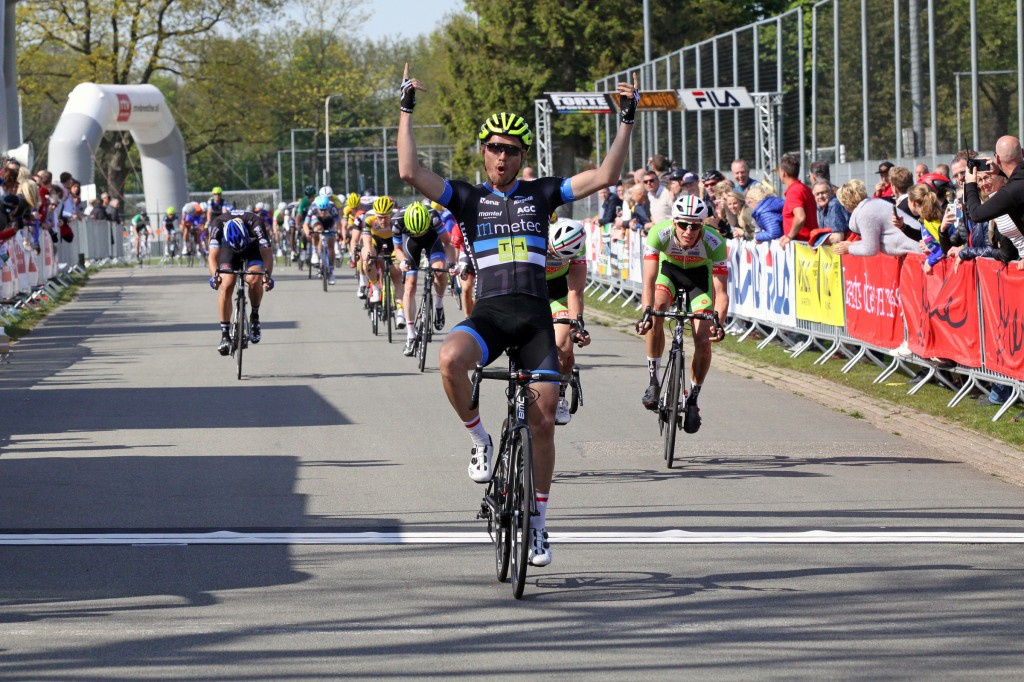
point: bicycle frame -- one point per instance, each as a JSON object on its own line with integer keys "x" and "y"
{"x": 239, "y": 320}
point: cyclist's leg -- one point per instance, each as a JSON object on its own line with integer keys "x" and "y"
{"x": 409, "y": 307}
{"x": 467, "y": 294}
{"x": 462, "y": 349}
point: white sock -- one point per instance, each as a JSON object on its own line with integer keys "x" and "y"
{"x": 362, "y": 280}
{"x": 477, "y": 431}
{"x": 410, "y": 331}
{"x": 542, "y": 510}
{"x": 438, "y": 300}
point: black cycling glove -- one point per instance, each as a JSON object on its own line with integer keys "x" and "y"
{"x": 408, "y": 96}
{"x": 627, "y": 107}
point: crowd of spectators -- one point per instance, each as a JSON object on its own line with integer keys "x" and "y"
{"x": 968, "y": 209}
{"x": 32, "y": 202}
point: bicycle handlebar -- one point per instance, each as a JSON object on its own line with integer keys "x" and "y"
{"x": 581, "y": 334}
{"x": 229, "y": 271}
{"x": 516, "y": 376}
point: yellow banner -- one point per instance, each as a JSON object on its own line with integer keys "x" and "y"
{"x": 819, "y": 285}
{"x": 830, "y": 287}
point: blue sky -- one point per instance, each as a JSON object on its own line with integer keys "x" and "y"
{"x": 408, "y": 18}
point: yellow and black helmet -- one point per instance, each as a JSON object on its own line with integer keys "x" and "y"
{"x": 352, "y": 201}
{"x": 383, "y": 206}
{"x": 417, "y": 219}
{"x": 507, "y": 124}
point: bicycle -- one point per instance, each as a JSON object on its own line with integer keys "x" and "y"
{"x": 384, "y": 308}
{"x": 196, "y": 245}
{"x": 675, "y": 378}
{"x": 579, "y": 336}
{"x": 325, "y": 261}
{"x": 425, "y": 316}
{"x": 455, "y": 287}
{"x": 239, "y": 332}
{"x": 142, "y": 247}
{"x": 173, "y": 247}
{"x": 509, "y": 500}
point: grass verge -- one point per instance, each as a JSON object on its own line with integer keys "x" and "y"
{"x": 37, "y": 312}
{"x": 930, "y": 400}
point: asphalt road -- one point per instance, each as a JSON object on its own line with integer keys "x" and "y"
{"x": 355, "y": 551}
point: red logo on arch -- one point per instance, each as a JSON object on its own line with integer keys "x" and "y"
{"x": 124, "y": 107}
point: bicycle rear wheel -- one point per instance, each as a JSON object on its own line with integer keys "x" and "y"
{"x": 423, "y": 325}
{"x": 521, "y": 497}
{"x": 324, "y": 268}
{"x": 498, "y": 524}
{"x": 374, "y": 316}
{"x": 671, "y": 404}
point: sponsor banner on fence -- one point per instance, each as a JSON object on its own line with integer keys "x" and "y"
{"x": 581, "y": 102}
{"x": 1002, "y": 308}
{"x": 874, "y": 313}
{"x": 819, "y": 285}
{"x": 774, "y": 284}
{"x": 941, "y": 309}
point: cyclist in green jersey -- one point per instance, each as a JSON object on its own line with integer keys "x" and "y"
{"x": 684, "y": 253}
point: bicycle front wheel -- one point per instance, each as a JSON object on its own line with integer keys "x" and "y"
{"x": 389, "y": 306}
{"x": 424, "y": 325}
{"x": 671, "y": 404}
{"x": 498, "y": 524}
{"x": 240, "y": 326}
{"x": 521, "y": 496}
{"x": 324, "y": 269}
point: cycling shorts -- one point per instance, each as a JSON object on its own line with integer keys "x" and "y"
{"x": 428, "y": 243}
{"x": 382, "y": 246}
{"x": 519, "y": 320}
{"x": 229, "y": 258}
{"x": 139, "y": 229}
{"x": 558, "y": 296}
{"x": 695, "y": 281}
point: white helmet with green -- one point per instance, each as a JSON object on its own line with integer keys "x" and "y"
{"x": 566, "y": 238}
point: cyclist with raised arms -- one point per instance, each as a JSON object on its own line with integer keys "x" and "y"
{"x": 239, "y": 240}
{"x": 321, "y": 220}
{"x": 505, "y": 227}
{"x": 567, "y": 277}
{"x": 421, "y": 231}
{"x": 684, "y": 253}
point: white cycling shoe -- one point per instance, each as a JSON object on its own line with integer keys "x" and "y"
{"x": 481, "y": 462}
{"x": 562, "y": 414}
{"x": 540, "y": 548}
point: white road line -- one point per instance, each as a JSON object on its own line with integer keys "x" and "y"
{"x": 451, "y": 538}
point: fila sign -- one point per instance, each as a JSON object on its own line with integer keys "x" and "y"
{"x": 710, "y": 99}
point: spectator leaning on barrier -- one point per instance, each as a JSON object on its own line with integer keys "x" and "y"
{"x": 1008, "y": 201}
{"x": 611, "y": 204}
{"x": 883, "y": 190}
{"x": 766, "y": 210}
{"x": 735, "y": 203}
{"x": 831, "y": 214}
{"x": 926, "y": 206}
{"x": 799, "y": 213}
{"x": 659, "y": 199}
{"x": 639, "y": 209}
{"x": 983, "y": 240}
{"x": 740, "y": 171}
{"x": 872, "y": 220}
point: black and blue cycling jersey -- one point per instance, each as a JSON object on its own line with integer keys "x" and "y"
{"x": 506, "y": 234}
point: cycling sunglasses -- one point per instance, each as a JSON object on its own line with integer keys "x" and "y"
{"x": 683, "y": 225}
{"x": 499, "y": 147}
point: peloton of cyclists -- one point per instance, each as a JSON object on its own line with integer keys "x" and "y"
{"x": 239, "y": 240}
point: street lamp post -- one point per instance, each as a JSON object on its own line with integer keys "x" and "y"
{"x": 327, "y": 138}
{"x": 310, "y": 130}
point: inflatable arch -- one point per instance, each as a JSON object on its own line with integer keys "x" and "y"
{"x": 10, "y": 125}
{"x": 140, "y": 109}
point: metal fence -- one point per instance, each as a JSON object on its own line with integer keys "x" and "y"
{"x": 860, "y": 81}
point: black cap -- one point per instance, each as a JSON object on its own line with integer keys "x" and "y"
{"x": 678, "y": 174}
{"x": 885, "y": 166}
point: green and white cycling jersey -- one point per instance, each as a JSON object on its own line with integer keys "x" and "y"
{"x": 690, "y": 269}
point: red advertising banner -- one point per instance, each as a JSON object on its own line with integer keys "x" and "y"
{"x": 1002, "y": 308}
{"x": 874, "y": 313}
{"x": 941, "y": 309}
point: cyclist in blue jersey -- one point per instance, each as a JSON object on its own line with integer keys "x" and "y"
{"x": 505, "y": 227}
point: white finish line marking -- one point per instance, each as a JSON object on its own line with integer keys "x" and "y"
{"x": 669, "y": 537}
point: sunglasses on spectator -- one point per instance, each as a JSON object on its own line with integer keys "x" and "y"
{"x": 648, "y": 181}
{"x": 686, "y": 226}
{"x": 499, "y": 147}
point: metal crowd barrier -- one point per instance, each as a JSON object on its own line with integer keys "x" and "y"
{"x": 611, "y": 276}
